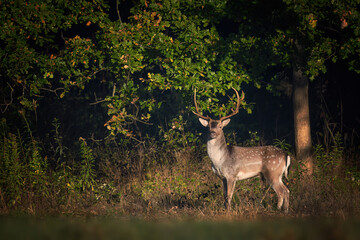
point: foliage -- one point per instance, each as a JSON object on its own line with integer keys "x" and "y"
{"x": 283, "y": 145}
{"x": 12, "y": 170}
{"x": 177, "y": 136}
{"x": 30, "y": 39}
{"x": 28, "y": 181}
{"x": 318, "y": 22}
{"x": 174, "y": 187}
{"x": 58, "y": 148}
{"x": 330, "y": 164}
{"x": 166, "y": 47}
{"x": 330, "y": 161}
{"x": 87, "y": 172}
{"x": 254, "y": 140}
{"x": 155, "y": 184}
{"x": 37, "y": 168}
{"x": 332, "y": 186}
{"x": 23, "y": 170}
{"x": 166, "y": 53}
{"x": 270, "y": 33}
{"x": 149, "y": 64}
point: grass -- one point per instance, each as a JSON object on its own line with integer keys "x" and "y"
{"x": 156, "y": 192}
{"x": 184, "y": 187}
{"x": 158, "y": 181}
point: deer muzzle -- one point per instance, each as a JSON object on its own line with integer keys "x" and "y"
{"x": 213, "y": 134}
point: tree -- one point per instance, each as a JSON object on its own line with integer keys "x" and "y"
{"x": 302, "y": 130}
{"x": 316, "y": 38}
{"x": 296, "y": 39}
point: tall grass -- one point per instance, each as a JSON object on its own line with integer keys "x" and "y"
{"x": 156, "y": 179}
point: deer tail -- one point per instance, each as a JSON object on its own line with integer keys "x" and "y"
{"x": 287, "y": 166}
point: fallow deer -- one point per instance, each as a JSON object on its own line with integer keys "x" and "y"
{"x": 232, "y": 163}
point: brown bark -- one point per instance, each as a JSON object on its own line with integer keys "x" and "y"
{"x": 303, "y": 144}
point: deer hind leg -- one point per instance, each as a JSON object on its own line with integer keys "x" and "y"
{"x": 286, "y": 198}
{"x": 283, "y": 195}
{"x": 280, "y": 193}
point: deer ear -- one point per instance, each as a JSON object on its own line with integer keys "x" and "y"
{"x": 204, "y": 122}
{"x": 225, "y": 122}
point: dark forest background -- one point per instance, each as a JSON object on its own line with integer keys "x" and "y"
{"x": 97, "y": 100}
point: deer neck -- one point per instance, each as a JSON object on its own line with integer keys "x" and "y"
{"x": 217, "y": 150}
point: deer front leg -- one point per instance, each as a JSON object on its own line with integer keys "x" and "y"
{"x": 229, "y": 185}
{"x": 225, "y": 191}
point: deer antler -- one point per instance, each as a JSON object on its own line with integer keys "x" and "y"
{"x": 237, "y": 105}
{"x": 197, "y": 113}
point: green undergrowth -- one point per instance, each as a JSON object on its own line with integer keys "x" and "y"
{"x": 156, "y": 180}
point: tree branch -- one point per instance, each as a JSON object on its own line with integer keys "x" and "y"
{"x": 97, "y": 102}
{"x": 118, "y": 12}
{"x": 11, "y": 100}
{"x": 52, "y": 90}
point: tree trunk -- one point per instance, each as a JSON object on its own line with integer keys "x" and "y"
{"x": 303, "y": 144}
